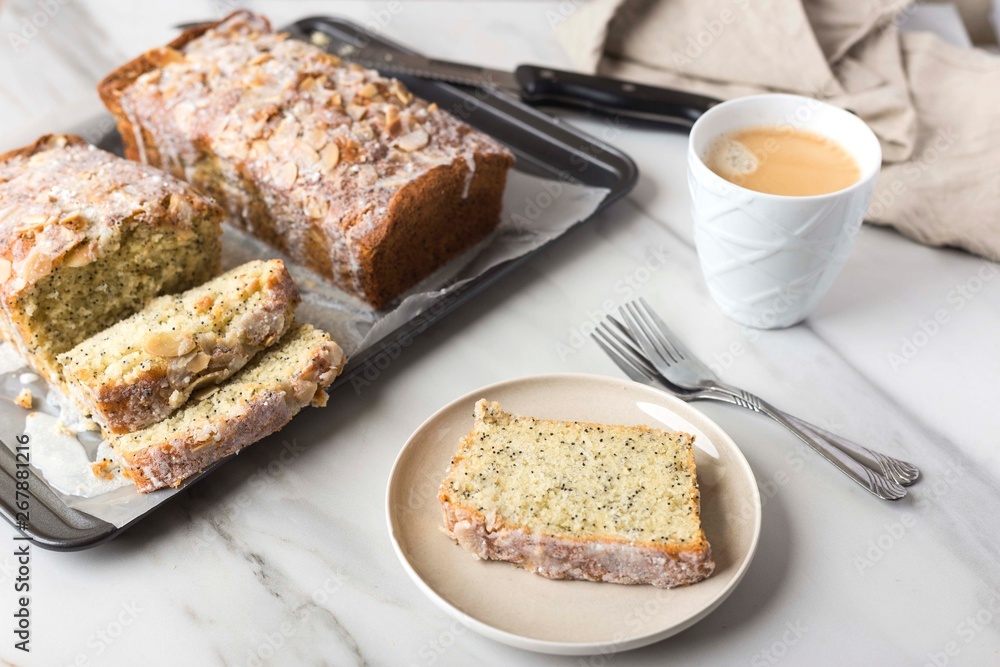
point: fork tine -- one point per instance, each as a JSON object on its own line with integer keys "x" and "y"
{"x": 622, "y": 356}
{"x": 621, "y": 334}
{"x": 642, "y": 333}
{"x": 667, "y": 335}
{"x": 625, "y": 348}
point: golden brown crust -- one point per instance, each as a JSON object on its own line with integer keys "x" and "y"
{"x": 408, "y": 186}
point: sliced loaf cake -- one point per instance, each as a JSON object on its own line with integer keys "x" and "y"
{"x": 573, "y": 500}
{"x": 140, "y": 370}
{"x": 219, "y": 421}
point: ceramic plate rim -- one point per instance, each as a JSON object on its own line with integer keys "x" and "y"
{"x": 561, "y": 647}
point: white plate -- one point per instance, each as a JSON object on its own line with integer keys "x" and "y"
{"x": 517, "y": 607}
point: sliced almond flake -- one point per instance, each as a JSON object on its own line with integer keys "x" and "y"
{"x": 413, "y": 141}
{"x": 317, "y": 207}
{"x": 285, "y": 175}
{"x": 315, "y": 138}
{"x": 356, "y": 112}
{"x": 304, "y": 155}
{"x": 330, "y": 156}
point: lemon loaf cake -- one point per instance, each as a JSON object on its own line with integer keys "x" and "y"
{"x": 573, "y": 500}
{"x": 252, "y": 404}
{"x": 343, "y": 170}
{"x": 136, "y": 372}
{"x": 84, "y": 236}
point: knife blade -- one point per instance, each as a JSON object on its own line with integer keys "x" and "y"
{"x": 535, "y": 85}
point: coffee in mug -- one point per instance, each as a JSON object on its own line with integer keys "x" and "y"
{"x": 782, "y": 160}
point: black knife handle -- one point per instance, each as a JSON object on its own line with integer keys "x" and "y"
{"x": 544, "y": 85}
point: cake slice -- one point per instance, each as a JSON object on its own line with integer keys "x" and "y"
{"x": 86, "y": 239}
{"x": 140, "y": 370}
{"x": 573, "y": 500}
{"x": 219, "y": 421}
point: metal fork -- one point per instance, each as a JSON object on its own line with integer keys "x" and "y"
{"x": 671, "y": 358}
{"x": 623, "y": 349}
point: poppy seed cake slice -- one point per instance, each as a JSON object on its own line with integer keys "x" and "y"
{"x": 140, "y": 370}
{"x": 573, "y": 500}
{"x": 252, "y": 404}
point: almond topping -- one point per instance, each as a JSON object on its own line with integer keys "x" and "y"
{"x": 392, "y": 122}
{"x": 259, "y": 149}
{"x": 316, "y": 138}
{"x": 413, "y": 141}
{"x": 305, "y": 390}
{"x": 336, "y": 99}
{"x": 369, "y": 90}
{"x": 400, "y": 91}
{"x": 168, "y": 344}
{"x": 198, "y": 362}
{"x": 330, "y": 156}
{"x": 285, "y": 175}
{"x": 317, "y": 207}
{"x": 304, "y": 155}
{"x": 356, "y": 112}
{"x": 79, "y": 256}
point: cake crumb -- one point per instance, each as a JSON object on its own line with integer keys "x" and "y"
{"x": 24, "y": 398}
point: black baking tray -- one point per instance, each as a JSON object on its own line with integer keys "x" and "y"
{"x": 544, "y": 146}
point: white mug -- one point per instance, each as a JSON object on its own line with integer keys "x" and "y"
{"x": 768, "y": 259}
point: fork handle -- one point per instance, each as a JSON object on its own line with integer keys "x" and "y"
{"x": 875, "y": 483}
{"x": 904, "y": 473}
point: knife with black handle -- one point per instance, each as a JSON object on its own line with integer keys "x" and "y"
{"x": 538, "y": 86}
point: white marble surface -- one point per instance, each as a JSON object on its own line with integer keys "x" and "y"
{"x": 288, "y": 547}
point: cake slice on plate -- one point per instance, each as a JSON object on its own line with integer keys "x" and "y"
{"x": 574, "y": 500}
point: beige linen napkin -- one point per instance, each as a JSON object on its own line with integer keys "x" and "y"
{"x": 934, "y": 107}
